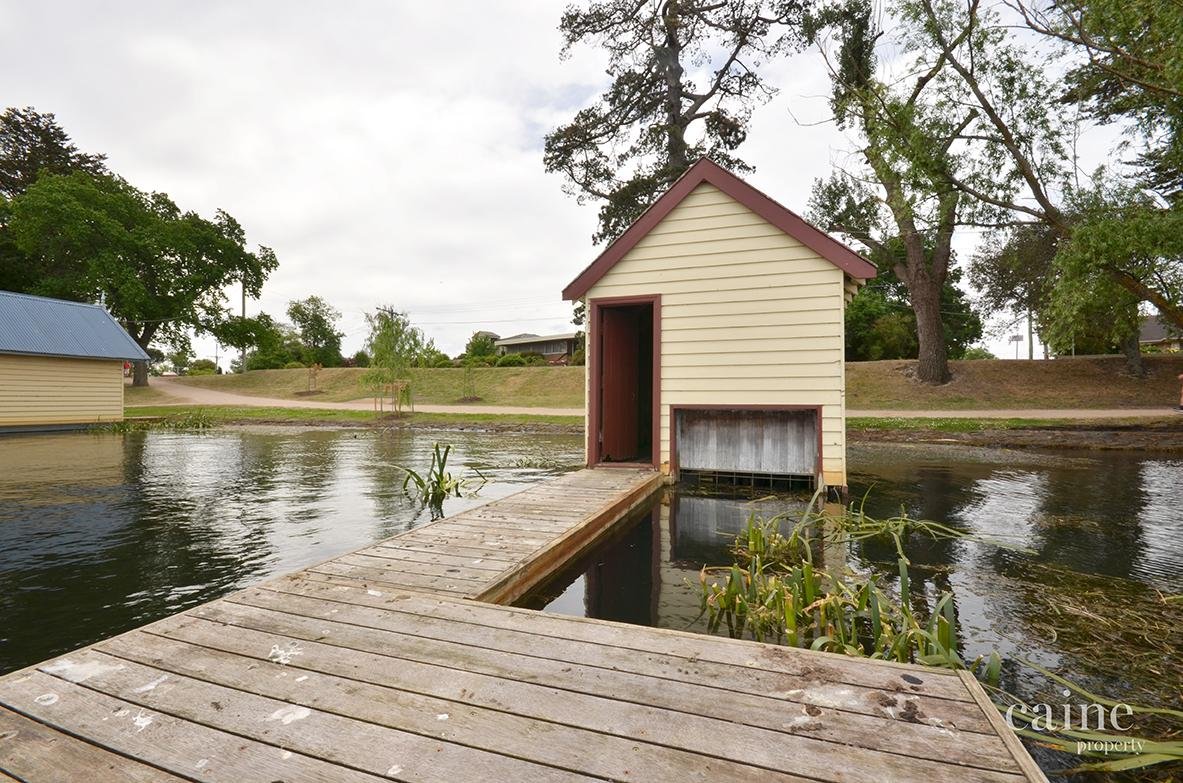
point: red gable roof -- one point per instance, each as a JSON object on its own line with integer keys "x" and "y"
{"x": 707, "y": 170}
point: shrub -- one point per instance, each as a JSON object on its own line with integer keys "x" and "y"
{"x": 479, "y": 361}
{"x": 361, "y": 359}
{"x": 534, "y": 359}
{"x": 294, "y": 366}
{"x": 202, "y": 367}
{"x": 512, "y": 360}
{"x": 578, "y": 358}
{"x": 978, "y": 352}
{"x": 442, "y": 361}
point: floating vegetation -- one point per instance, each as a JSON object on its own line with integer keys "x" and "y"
{"x": 775, "y": 592}
{"x": 438, "y": 484}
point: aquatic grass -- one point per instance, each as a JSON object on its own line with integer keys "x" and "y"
{"x": 774, "y": 592}
{"x": 438, "y": 484}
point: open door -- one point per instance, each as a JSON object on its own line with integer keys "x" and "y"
{"x": 623, "y": 382}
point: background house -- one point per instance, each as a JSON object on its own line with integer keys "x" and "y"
{"x": 61, "y": 363}
{"x": 715, "y": 337}
{"x": 555, "y": 348}
{"x": 1156, "y": 334}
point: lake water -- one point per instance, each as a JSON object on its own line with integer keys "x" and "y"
{"x": 1093, "y": 542}
{"x": 103, "y": 532}
{"x": 100, "y": 533}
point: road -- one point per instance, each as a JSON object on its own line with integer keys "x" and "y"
{"x": 195, "y": 395}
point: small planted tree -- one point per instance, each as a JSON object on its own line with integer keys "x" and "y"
{"x": 395, "y": 345}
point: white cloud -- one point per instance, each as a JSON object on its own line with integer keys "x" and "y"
{"x": 390, "y": 153}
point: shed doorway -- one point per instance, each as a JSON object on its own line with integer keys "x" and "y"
{"x": 624, "y": 381}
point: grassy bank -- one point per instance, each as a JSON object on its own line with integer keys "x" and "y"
{"x": 545, "y": 387}
{"x": 224, "y": 414}
{"x": 1061, "y": 383}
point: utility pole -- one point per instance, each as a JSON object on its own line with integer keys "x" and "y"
{"x": 1030, "y": 342}
{"x": 242, "y": 355}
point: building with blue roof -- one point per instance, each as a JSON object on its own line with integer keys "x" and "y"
{"x": 61, "y": 363}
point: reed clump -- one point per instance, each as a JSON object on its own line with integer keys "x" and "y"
{"x": 776, "y": 592}
{"x": 438, "y": 484}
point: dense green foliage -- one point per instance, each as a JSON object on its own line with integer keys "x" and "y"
{"x": 316, "y": 321}
{"x": 481, "y": 344}
{"x": 880, "y": 324}
{"x": 68, "y": 229}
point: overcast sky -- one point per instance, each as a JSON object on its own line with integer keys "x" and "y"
{"x": 390, "y": 153}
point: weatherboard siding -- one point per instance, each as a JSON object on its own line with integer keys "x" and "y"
{"x": 36, "y": 390}
{"x": 749, "y": 315}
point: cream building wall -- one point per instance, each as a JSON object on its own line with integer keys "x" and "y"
{"x": 749, "y": 315}
{"x": 48, "y": 390}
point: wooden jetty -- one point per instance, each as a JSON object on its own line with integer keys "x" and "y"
{"x": 380, "y": 665}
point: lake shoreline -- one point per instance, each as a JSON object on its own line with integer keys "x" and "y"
{"x": 1153, "y": 435}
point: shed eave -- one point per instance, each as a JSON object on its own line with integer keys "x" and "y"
{"x": 706, "y": 170}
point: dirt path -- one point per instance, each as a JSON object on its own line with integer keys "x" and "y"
{"x": 196, "y": 395}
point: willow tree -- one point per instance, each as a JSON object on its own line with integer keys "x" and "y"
{"x": 896, "y": 199}
{"x": 684, "y": 80}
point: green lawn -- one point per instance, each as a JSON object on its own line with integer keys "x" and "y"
{"x": 535, "y": 387}
{"x": 223, "y": 414}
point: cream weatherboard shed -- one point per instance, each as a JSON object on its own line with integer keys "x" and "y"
{"x": 715, "y": 337}
{"x": 61, "y": 363}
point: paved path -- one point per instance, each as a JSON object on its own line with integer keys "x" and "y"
{"x": 197, "y": 395}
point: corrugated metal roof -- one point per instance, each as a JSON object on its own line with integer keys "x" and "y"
{"x": 54, "y": 327}
{"x": 526, "y": 339}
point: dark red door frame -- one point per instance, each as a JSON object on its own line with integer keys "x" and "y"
{"x": 594, "y": 414}
{"x": 675, "y": 409}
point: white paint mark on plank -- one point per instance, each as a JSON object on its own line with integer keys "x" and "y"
{"x": 151, "y": 686}
{"x": 80, "y": 672}
{"x": 283, "y": 655}
{"x": 289, "y": 713}
{"x": 46, "y": 699}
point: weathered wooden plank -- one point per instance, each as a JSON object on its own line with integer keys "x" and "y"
{"x": 184, "y": 748}
{"x": 35, "y": 752}
{"x": 1015, "y": 748}
{"x": 298, "y": 727}
{"x": 669, "y": 681}
{"x": 740, "y": 659}
{"x": 462, "y": 574}
{"x": 690, "y": 720}
{"x": 391, "y": 578}
{"x": 423, "y": 563}
{"x": 482, "y": 737}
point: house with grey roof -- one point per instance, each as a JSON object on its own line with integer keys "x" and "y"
{"x": 61, "y": 363}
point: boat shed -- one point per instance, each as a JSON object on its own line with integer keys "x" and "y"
{"x": 715, "y": 329}
{"x": 61, "y": 363}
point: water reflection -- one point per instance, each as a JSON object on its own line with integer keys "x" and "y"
{"x": 1091, "y": 541}
{"x": 100, "y": 533}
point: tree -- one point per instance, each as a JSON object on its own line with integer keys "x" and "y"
{"x": 880, "y": 323}
{"x": 899, "y": 203}
{"x": 32, "y": 143}
{"x": 395, "y": 346}
{"x": 1128, "y": 68}
{"x": 161, "y": 271}
{"x": 1022, "y": 134}
{"x": 481, "y": 344}
{"x": 684, "y": 82}
{"x": 180, "y": 360}
{"x": 317, "y": 320}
